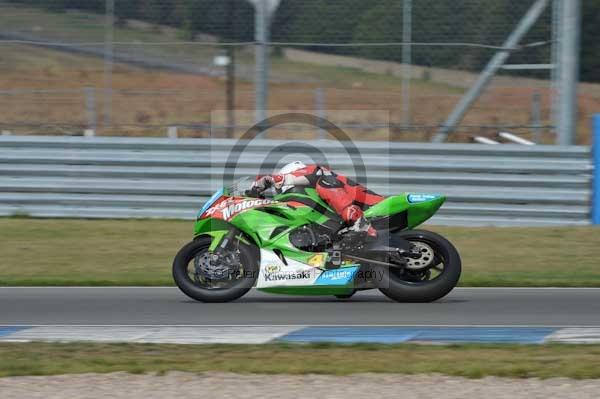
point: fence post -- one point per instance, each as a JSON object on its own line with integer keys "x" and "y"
{"x": 261, "y": 59}
{"x": 109, "y": 31}
{"x": 568, "y": 71}
{"x": 536, "y": 116}
{"x": 319, "y": 95}
{"x": 90, "y": 107}
{"x": 172, "y": 132}
{"x": 406, "y": 60}
{"x": 596, "y": 177}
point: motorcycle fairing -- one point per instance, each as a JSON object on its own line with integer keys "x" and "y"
{"x": 228, "y": 207}
{"x": 268, "y": 223}
{"x": 417, "y": 212}
{"x": 301, "y": 277}
{"x": 274, "y": 272}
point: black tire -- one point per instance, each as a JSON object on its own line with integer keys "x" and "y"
{"x": 346, "y": 296}
{"x": 191, "y": 289}
{"x": 425, "y": 291}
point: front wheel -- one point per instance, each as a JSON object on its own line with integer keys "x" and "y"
{"x": 208, "y": 277}
{"x": 428, "y": 278}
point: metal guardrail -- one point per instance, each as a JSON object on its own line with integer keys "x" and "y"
{"x": 96, "y": 177}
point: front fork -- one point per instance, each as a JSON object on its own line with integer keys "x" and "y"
{"x": 223, "y": 239}
{"x": 228, "y": 239}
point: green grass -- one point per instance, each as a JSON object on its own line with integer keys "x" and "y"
{"x": 82, "y": 27}
{"x": 549, "y": 256}
{"x": 345, "y": 77}
{"x": 472, "y": 361}
{"x": 140, "y": 252}
{"x": 72, "y": 26}
{"x": 89, "y": 252}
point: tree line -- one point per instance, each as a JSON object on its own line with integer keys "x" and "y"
{"x": 344, "y": 21}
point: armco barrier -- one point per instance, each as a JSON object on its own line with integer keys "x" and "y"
{"x": 89, "y": 177}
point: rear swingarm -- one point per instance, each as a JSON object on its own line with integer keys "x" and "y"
{"x": 366, "y": 261}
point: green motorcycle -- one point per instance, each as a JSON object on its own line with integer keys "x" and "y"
{"x": 294, "y": 243}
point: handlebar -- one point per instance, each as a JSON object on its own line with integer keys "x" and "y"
{"x": 254, "y": 193}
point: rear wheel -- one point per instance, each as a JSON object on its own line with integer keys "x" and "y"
{"x": 208, "y": 277}
{"x": 430, "y": 277}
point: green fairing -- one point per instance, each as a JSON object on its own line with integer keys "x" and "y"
{"x": 417, "y": 212}
{"x": 208, "y": 225}
{"x": 260, "y": 227}
{"x": 215, "y": 228}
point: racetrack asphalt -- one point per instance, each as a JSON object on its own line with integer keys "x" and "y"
{"x": 168, "y": 306}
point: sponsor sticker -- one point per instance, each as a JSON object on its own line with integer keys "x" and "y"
{"x": 272, "y": 268}
{"x": 317, "y": 260}
{"x": 211, "y": 202}
{"x": 341, "y": 276}
{"x": 287, "y": 276}
{"x": 416, "y": 198}
{"x": 274, "y": 273}
{"x": 228, "y": 209}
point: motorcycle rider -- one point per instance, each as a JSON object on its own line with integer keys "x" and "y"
{"x": 345, "y": 196}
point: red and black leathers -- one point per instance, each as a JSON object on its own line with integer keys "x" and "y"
{"x": 345, "y": 196}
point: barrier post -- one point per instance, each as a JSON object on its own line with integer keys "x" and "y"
{"x": 596, "y": 177}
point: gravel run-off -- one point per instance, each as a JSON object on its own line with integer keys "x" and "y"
{"x": 223, "y": 385}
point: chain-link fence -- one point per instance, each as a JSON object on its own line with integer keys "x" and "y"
{"x": 158, "y": 67}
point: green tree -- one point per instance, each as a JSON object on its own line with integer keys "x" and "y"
{"x": 590, "y": 39}
{"x": 127, "y": 9}
{"x": 318, "y": 21}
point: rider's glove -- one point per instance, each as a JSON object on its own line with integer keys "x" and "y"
{"x": 253, "y": 192}
{"x": 263, "y": 183}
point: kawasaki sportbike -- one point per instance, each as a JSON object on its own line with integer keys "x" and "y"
{"x": 294, "y": 243}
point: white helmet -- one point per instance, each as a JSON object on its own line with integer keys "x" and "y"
{"x": 292, "y": 167}
{"x": 287, "y": 180}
